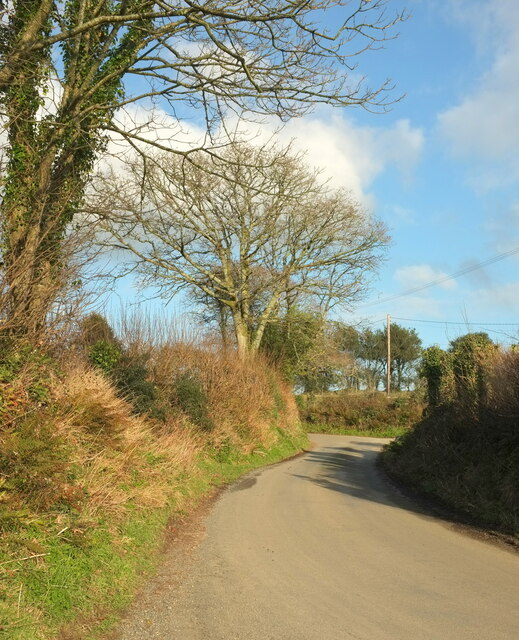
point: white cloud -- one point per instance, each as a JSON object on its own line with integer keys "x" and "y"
{"x": 150, "y": 123}
{"x": 491, "y": 22}
{"x": 352, "y": 156}
{"x": 419, "y": 275}
{"x": 483, "y": 125}
{"x": 145, "y": 126}
{"x": 501, "y": 297}
{"x": 485, "y": 122}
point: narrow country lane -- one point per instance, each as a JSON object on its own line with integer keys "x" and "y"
{"x": 322, "y": 548}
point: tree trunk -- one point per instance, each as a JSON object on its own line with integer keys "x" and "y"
{"x": 35, "y": 214}
{"x": 30, "y": 286}
{"x": 242, "y": 336}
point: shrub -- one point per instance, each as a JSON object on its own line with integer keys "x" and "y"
{"x": 466, "y": 452}
{"x": 95, "y": 328}
{"x": 131, "y": 377}
{"x": 127, "y": 368}
{"x": 105, "y": 355}
{"x": 470, "y": 356}
{"x": 192, "y": 399}
{"x": 436, "y": 368}
{"x": 362, "y": 410}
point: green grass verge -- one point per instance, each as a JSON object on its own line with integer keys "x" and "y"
{"x": 84, "y": 579}
{"x": 386, "y": 432}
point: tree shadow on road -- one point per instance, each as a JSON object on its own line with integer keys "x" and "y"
{"x": 355, "y": 471}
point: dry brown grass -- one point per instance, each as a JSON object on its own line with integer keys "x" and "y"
{"x": 241, "y": 394}
{"x": 92, "y": 451}
{"x": 121, "y": 457}
{"x": 125, "y": 458}
{"x": 94, "y": 406}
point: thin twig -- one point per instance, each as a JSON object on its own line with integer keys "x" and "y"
{"x": 19, "y": 601}
{"x": 38, "y": 555}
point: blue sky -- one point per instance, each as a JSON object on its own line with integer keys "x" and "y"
{"x": 441, "y": 169}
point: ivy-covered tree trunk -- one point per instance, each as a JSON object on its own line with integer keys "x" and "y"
{"x": 37, "y": 209}
{"x": 50, "y": 157}
{"x": 25, "y": 228}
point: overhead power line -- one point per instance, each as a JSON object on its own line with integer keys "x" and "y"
{"x": 480, "y": 325}
{"x": 452, "y": 276}
{"x": 463, "y": 322}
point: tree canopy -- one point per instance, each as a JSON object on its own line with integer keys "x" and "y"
{"x": 251, "y": 229}
{"x": 302, "y": 343}
{"x": 369, "y": 347}
{"x": 77, "y": 72}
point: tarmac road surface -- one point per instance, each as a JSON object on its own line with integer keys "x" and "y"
{"x": 322, "y": 547}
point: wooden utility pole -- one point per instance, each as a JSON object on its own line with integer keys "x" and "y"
{"x": 388, "y": 354}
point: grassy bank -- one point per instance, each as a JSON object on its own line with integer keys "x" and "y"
{"x": 360, "y": 413}
{"x": 89, "y": 479}
{"x": 465, "y": 452}
{"x": 74, "y": 585}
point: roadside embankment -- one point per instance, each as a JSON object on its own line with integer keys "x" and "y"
{"x": 90, "y": 478}
{"x": 465, "y": 452}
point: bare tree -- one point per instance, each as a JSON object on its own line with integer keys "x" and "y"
{"x": 216, "y": 312}
{"x": 248, "y": 229}
{"x": 97, "y": 58}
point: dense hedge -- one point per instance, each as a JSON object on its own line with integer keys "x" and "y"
{"x": 465, "y": 452}
{"x": 361, "y": 411}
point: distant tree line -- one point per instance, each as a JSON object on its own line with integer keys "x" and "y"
{"x": 320, "y": 354}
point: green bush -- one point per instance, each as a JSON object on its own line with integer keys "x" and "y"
{"x": 105, "y": 355}
{"x": 436, "y": 368}
{"x": 469, "y": 356}
{"x": 192, "y": 399}
{"x": 131, "y": 377}
{"x": 128, "y": 371}
{"x": 95, "y": 328}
